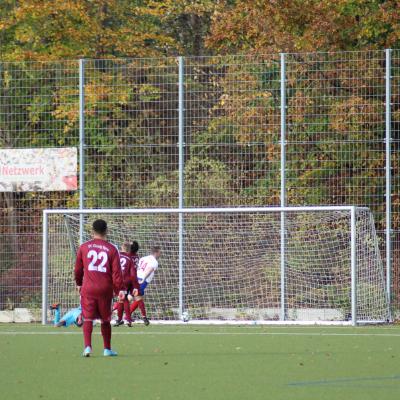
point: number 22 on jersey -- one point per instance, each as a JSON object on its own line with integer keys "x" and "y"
{"x": 97, "y": 261}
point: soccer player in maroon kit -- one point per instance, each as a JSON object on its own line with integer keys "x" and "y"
{"x": 133, "y": 253}
{"x": 98, "y": 275}
{"x": 138, "y": 302}
{"x": 128, "y": 268}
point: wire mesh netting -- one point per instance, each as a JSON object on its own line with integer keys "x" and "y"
{"x": 232, "y": 265}
{"x": 335, "y": 139}
{"x": 131, "y": 125}
{"x": 38, "y": 108}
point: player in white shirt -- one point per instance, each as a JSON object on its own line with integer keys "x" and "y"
{"x": 147, "y": 266}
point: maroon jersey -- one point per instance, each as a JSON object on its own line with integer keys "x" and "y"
{"x": 98, "y": 269}
{"x": 127, "y": 267}
{"x": 135, "y": 259}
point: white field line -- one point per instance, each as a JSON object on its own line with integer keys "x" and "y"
{"x": 60, "y": 332}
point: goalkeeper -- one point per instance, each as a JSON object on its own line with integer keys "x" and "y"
{"x": 73, "y": 316}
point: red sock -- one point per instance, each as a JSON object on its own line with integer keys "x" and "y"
{"x": 127, "y": 311}
{"x": 87, "y": 333}
{"x": 142, "y": 308}
{"x": 120, "y": 310}
{"x": 134, "y": 306}
{"x": 106, "y": 332}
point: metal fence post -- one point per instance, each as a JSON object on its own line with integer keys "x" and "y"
{"x": 388, "y": 173}
{"x": 181, "y": 144}
{"x": 283, "y": 182}
{"x": 81, "y": 146}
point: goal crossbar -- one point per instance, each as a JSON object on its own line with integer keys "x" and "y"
{"x": 282, "y": 211}
{"x": 199, "y": 210}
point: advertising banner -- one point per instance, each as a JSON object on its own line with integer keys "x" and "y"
{"x": 38, "y": 170}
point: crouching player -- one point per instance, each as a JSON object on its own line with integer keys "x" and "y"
{"x": 97, "y": 275}
{"x": 73, "y": 316}
{"x": 145, "y": 273}
{"x": 131, "y": 284}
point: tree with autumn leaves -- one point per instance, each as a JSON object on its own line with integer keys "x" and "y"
{"x": 305, "y": 25}
{"x": 44, "y": 29}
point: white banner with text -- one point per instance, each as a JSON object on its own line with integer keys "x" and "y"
{"x": 38, "y": 170}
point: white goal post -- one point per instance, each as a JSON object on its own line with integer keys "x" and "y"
{"x": 236, "y": 265}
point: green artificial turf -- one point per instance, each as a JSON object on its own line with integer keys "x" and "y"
{"x": 202, "y": 362}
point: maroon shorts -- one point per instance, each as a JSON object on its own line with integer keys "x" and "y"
{"x": 96, "y": 308}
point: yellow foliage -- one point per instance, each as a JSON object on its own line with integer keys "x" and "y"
{"x": 56, "y": 29}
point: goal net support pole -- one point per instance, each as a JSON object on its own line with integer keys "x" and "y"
{"x": 45, "y": 253}
{"x": 353, "y": 260}
{"x": 303, "y": 277}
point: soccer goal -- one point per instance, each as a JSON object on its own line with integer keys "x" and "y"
{"x": 302, "y": 265}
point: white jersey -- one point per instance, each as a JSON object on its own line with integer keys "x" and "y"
{"x": 145, "y": 263}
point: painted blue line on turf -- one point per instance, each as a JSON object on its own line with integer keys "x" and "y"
{"x": 345, "y": 381}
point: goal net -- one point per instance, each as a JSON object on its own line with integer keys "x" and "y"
{"x": 270, "y": 265}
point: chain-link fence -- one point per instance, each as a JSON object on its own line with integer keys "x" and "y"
{"x": 38, "y": 108}
{"x": 335, "y": 129}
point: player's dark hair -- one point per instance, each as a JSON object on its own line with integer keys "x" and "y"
{"x": 100, "y": 227}
{"x": 155, "y": 249}
{"x": 134, "y": 247}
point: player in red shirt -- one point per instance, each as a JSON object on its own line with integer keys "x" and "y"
{"x": 138, "y": 299}
{"x": 133, "y": 253}
{"x": 131, "y": 284}
{"x": 98, "y": 275}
